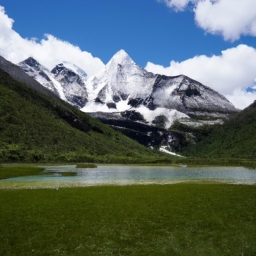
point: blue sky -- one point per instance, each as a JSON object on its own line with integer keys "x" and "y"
{"x": 146, "y": 29}
{"x": 165, "y": 36}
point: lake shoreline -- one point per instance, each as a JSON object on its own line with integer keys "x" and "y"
{"x": 128, "y": 175}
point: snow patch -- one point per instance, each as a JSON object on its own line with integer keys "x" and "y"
{"x": 171, "y": 114}
{"x": 163, "y": 149}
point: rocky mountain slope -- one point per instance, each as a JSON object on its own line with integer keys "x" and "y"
{"x": 65, "y": 80}
{"x": 37, "y": 128}
{"x": 18, "y": 74}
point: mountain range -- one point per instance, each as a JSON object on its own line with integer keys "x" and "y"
{"x": 124, "y": 86}
{"x": 38, "y": 125}
{"x": 132, "y": 100}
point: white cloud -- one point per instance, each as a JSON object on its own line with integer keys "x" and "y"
{"x": 243, "y": 98}
{"x": 231, "y": 73}
{"x": 178, "y": 5}
{"x": 229, "y": 18}
{"x": 15, "y": 49}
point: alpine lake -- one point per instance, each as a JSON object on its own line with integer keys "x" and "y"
{"x": 70, "y": 176}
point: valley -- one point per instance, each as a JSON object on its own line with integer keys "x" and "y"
{"x": 176, "y": 115}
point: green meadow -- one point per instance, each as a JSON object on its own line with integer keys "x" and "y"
{"x": 11, "y": 171}
{"x": 181, "y": 219}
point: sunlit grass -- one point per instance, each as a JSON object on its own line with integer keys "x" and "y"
{"x": 183, "y": 219}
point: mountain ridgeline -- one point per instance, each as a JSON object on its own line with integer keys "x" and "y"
{"x": 37, "y": 126}
{"x": 236, "y": 138}
{"x": 66, "y": 80}
{"x": 122, "y": 85}
{"x": 41, "y": 121}
{"x": 138, "y": 103}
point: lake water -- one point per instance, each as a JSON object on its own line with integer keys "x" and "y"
{"x": 130, "y": 175}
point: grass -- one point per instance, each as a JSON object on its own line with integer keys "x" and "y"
{"x": 182, "y": 219}
{"x": 67, "y": 174}
{"x": 86, "y": 166}
{"x": 18, "y": 171}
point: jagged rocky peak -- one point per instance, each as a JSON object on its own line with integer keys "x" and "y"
{"x": 31, "y": 64}
{"x": 30, "y": 61}
{"x": 73, "y": 85}
{"x": 40, "y": 73}
{"x": 68, "y": 75}
{"x": 60, "y": 72}
{"x": 77, "y": 70}
{"x": 16, "y": 72}
{"x": 119, "y": 82}
{"x": 66, "y": 80}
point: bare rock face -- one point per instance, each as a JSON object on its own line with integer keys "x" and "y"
{"x": 65, "y": 80}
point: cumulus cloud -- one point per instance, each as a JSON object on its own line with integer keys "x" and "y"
{"x": 242, "y": 97}
{"x": 234, "y": 18}
{"x": 229, "y": 18}
{"x": 15, "y": 49}
{"x": 230, "y": 73}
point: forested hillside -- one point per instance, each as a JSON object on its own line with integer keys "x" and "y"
{"x": 235, "y": 139}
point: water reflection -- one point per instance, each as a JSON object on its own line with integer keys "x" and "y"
{"x": 125, "y": 175}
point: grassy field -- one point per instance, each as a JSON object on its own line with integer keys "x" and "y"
{"x": 18, "y": 171}
{"x": 182, "y": 219}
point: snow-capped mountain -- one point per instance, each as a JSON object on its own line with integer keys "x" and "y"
{"x": 121, "y": 80}
{"x": 188, "y": 96}
{"x": 134, "y": 101}
{"x": 41, "y": 74}
{"x": 66, "y": 80}
{"x": 73, "y": 85}
{"x": 124, "y": 86}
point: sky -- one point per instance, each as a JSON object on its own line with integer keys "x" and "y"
{"x": 211, "y": 41}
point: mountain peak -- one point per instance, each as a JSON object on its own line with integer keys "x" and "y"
{"x": 31, "y": 62}
{"x": 75, "y": 69}
{"x": 121, "y": 57}
{"x": 121, "y": 52}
